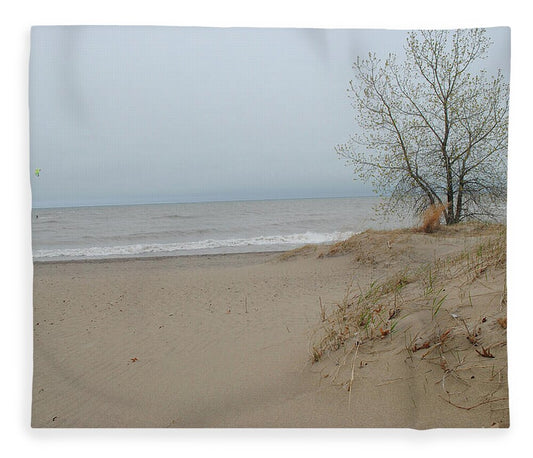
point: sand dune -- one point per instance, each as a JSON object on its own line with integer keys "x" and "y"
{"x": 227, "y": 340}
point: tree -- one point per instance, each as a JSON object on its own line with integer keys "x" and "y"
{"x": 433, "y": 129}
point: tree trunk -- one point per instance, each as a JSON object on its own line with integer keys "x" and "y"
{"x": 459, "y": 206}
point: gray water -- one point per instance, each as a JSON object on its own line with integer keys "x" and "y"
{"x": 199, "y": 228}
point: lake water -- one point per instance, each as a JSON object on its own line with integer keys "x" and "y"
{"x": 199, "y": 228}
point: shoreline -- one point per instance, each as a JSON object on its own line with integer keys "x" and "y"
{"x": 156, "y": 258}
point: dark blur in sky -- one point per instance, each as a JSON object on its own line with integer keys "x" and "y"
{"x": 123, "y": 115}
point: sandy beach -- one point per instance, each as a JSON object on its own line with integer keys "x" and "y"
{"x": 256, "y": 340}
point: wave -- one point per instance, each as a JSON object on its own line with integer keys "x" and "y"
{"x": 281, "y": 241}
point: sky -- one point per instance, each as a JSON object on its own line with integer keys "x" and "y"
{"x": 124, "y": 115}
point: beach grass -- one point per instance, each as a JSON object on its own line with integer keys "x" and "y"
{"x": 373, "y": 312}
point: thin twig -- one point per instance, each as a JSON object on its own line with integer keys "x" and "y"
{"x": 487, "y": 401}
{"x": 388, "y": 382}
{"x": 437, "y": 345}
{"x": 353, "y": 370}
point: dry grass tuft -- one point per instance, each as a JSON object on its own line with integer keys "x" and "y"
{"x": 431, "y": 218}
{"x": 473, "y": 229}
{"x": 361, "y": 316}
{"x": 367, "y": 245}
{"x": 344, "y": 246}
{"x": 490, "y": 253}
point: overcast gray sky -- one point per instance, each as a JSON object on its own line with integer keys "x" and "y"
{"x": 169, "y": 114}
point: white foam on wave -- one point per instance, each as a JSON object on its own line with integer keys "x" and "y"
{"x": 209, "y": 244}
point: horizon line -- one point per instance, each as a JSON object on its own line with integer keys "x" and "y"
{"x": 200, "y": 202}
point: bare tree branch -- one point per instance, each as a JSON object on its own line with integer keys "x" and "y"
{"x": 430, "y": 130}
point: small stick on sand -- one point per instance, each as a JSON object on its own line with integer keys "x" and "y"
{"x": 388, "y": 382}
{"x": 486, "y": 401}
{"x": 322, "y": 310}
{"x": 352, "y": 376}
